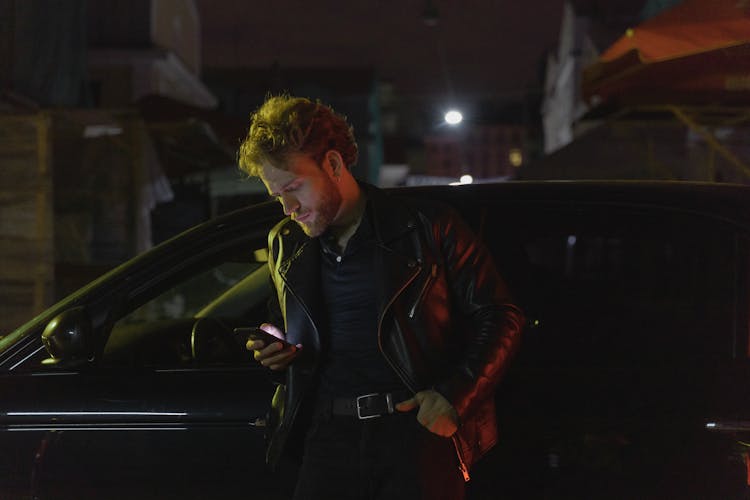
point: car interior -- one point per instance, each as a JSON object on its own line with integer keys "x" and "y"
{"x": 190, "y": 321}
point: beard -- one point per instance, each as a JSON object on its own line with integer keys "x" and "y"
{"x": 324, "y": 211}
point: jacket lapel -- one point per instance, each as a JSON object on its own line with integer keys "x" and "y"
{"x": 397, "y": 257}
{"x": 301, "y": 275}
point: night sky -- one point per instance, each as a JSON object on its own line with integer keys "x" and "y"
{"x": 476, "y": 49}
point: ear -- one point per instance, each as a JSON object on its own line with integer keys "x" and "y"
{"x": 335, "y": 161}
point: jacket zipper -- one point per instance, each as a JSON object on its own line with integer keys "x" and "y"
{"x": 423, "y": 291}
{"x": 461, "y": 464}
{"x": 380, "y": 328}
{"x": 463, "y": 469}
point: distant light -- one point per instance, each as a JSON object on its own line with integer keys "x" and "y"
{"x": 453, "y": 117}
{"x": 93, "y": 131}
{"x": 515, "y": 157}
{"x": 711, "y": 425}
{"x": 430, "y": 14}
{"x": 466, "y": 179}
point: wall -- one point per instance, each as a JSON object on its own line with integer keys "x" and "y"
{"x": 26, "y": 220}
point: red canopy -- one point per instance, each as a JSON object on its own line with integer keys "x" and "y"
{"x": 697, "y": 52}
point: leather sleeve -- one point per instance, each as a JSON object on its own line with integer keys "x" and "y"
{"x": 492, "y": 333}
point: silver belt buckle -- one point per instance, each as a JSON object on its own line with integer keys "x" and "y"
{"x": 359, "y": 409}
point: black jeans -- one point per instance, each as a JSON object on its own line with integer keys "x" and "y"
{"x": 391, "y": 457}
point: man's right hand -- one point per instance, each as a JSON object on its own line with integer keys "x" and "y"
{"x": 274, "y": 356}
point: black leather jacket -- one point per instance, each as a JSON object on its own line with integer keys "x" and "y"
{"x": 445, "y": 317}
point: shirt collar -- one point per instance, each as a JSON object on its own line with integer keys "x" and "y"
{"x": 361, "y": 236}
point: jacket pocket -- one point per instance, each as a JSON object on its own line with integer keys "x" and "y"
{"x": 423, "y": 292}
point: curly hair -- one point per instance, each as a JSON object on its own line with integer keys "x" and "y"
{"x": 286, "y": 125}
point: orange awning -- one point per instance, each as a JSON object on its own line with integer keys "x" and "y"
{"x": 697, "y": 52}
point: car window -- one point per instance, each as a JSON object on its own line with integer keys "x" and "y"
{"x": 188, "y": 297}
{"x": 617, "y": 285}
{"x": 190, "y": 321}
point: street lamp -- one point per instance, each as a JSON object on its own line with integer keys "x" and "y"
{"x": 465, "y": 179}
{"x": 453, "y": 117}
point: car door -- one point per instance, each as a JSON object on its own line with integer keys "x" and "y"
{"x": 172, "y": 406}
{"x": 636, "y": 342}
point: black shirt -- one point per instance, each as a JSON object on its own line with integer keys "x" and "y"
{"x": 352, "y": 362}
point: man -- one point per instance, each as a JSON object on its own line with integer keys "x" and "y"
{"x": 398, "y": 324}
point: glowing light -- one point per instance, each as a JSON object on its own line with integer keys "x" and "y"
{"x": 711, "y": 425}
{"x": 453, "y": 117}
{"x": 466, "y": 179}
{"x": 515, "y": 157}
{"x": 93, "y": 131}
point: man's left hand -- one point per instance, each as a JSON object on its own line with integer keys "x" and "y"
{"x": 435, "y": 413}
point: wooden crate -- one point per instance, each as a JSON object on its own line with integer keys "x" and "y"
{"x": 26, "y": 219}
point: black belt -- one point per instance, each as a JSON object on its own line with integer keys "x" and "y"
{"x": 365, "y": 406}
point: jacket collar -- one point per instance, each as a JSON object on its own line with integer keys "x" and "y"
{"x": 397, "y": 259}
{"x": 397, "y": 263}
{"x": 391, "y": 219}
{"x": 388, "y": 215}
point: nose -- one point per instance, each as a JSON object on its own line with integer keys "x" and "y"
{"x": 290, "y": 203}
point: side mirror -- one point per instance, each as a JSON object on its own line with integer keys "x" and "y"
{"x": 68, "y": 338}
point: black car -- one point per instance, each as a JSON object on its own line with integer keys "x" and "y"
{"x": 631, "y": 382}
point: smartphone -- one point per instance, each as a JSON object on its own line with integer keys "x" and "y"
{"x": 254, "y": 333}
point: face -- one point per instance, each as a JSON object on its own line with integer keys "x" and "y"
{"x": 307, "y": 192}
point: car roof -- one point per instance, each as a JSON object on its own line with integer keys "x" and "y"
{"x": 730, "y": 202}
